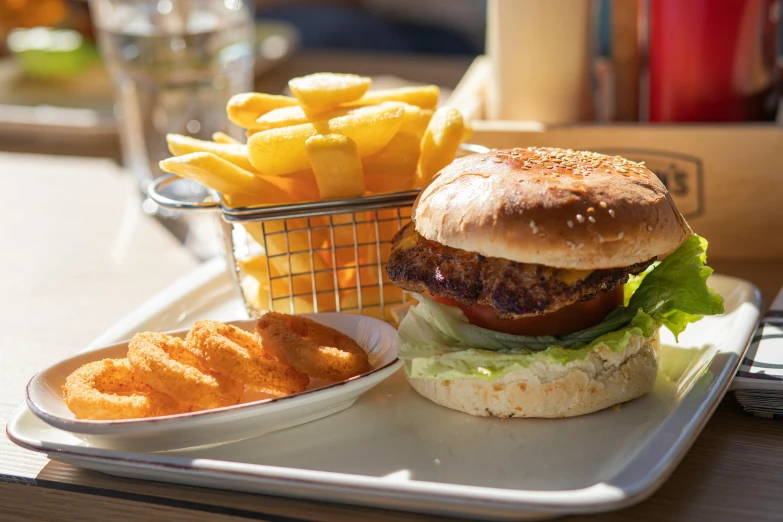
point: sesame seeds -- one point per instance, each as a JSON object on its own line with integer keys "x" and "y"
{"x": 620, "y": 235}
{"x": 551, "y": 172}
{"x": 649, "y": 228}
{"x": 533, "y": 226}
{"x": 600, "y": 238}
{"x": 575, "y": 163}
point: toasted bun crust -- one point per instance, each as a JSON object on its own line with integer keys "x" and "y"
{"x": 553, "y": 207}
{"x": 603, "y": 379}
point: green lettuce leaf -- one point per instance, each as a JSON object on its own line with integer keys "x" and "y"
{"x": 675, "y": 293}
{"x": 672, "y": 293}
{"x": 634, "y": 281}
{"x": 489, "y": 364}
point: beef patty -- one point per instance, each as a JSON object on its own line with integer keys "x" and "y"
{"x": 512, "y": 289}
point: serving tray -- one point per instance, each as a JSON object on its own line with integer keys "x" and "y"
{"x": 396, "y": 450}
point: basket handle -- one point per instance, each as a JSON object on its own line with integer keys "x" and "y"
{"x": 153, "y": 191}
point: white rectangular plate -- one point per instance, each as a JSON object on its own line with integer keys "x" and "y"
{"x": 394, "y": 449}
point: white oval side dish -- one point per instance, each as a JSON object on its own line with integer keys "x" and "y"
{"x": 202, "y": 428}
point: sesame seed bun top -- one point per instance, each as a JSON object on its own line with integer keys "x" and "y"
{"x": 554, "y": 207}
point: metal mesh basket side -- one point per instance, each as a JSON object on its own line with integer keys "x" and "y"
{"x": 318, "y": 263}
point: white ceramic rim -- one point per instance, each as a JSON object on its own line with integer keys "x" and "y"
{"x": 108, "y": 427}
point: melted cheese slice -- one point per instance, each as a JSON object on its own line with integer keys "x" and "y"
{"x": 572, "y": 277}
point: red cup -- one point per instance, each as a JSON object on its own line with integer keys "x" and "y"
{"x": 712, "y": 61}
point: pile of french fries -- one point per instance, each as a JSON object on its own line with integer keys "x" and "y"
{"x": 335, "y": 138}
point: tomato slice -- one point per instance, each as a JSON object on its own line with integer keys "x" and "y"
{"x": 571, "y": 318}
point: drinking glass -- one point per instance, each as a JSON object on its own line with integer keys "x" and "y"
{"x": 175, "y": 64}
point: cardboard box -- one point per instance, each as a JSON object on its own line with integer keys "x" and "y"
{"x": 727, "y": 180}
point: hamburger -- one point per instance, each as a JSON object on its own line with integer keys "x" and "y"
{"x": 541, "y": 277}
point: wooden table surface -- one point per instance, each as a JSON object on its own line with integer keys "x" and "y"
{"x": 78, "y": 255}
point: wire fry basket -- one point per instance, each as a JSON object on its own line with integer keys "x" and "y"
{"x": 322, "y": 256}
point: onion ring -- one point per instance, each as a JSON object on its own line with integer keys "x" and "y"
{"x": 164, "y": 363}
{"x": 310, "y": 347}
{"x": 109, "y": 389}
{"x": 230, "y": 350}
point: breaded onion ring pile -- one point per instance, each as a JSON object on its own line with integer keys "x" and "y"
{"x": 233, "y": 351}
{"x": 110, "y": 389}
{"x": 164, "y": 363}
{"x": 211, "y": 367}
{"x": 310, "y": 347}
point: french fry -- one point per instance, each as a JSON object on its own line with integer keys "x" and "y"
{"x": 417, "y": 124}
{"x": 372, "y": 128}
{"x": 280, "y": 151}
{"x": 353, "y": 239}
{"x": 328, "y": 90}
{"x": 237, "y": 154}
{"x": 257, "y": 296}
{"x": 371, "y": 296}
{"x": 467, "y": 132}
{"x": 300, "y": 265}
{"x": 337, "y": 165}
{"x": 256, "y": 266}
{"x": 254, "y": 285}
{"x": 244, "y": 109}
{"x": 425, "y": 96}
{"x": 412, "y": 113}
{"x": 222, "y": 137}
{"x": 215, "y": 172}
{"x": 440, "y": 143}
{"x": 399, "y": 157}
{"x": 347, "y": 266}
{"x": 393, "y": 168}
{"x": 283, "y": 151}
{"x": 300, "y": 186}
{"x": 275, "y": 233}
{"x": 381, "y": 183}
{"x": 280, "y": 117}
{"x": 333, "y": 139}
{"x": 289, "y": 116}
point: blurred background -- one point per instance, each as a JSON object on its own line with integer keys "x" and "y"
{"x": 648, "y": 59}
{"x": 110, "y": 78}
{"x": 49, "y": 61}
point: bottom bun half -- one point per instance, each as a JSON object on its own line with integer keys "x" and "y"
{"x": 603, "y": 379}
